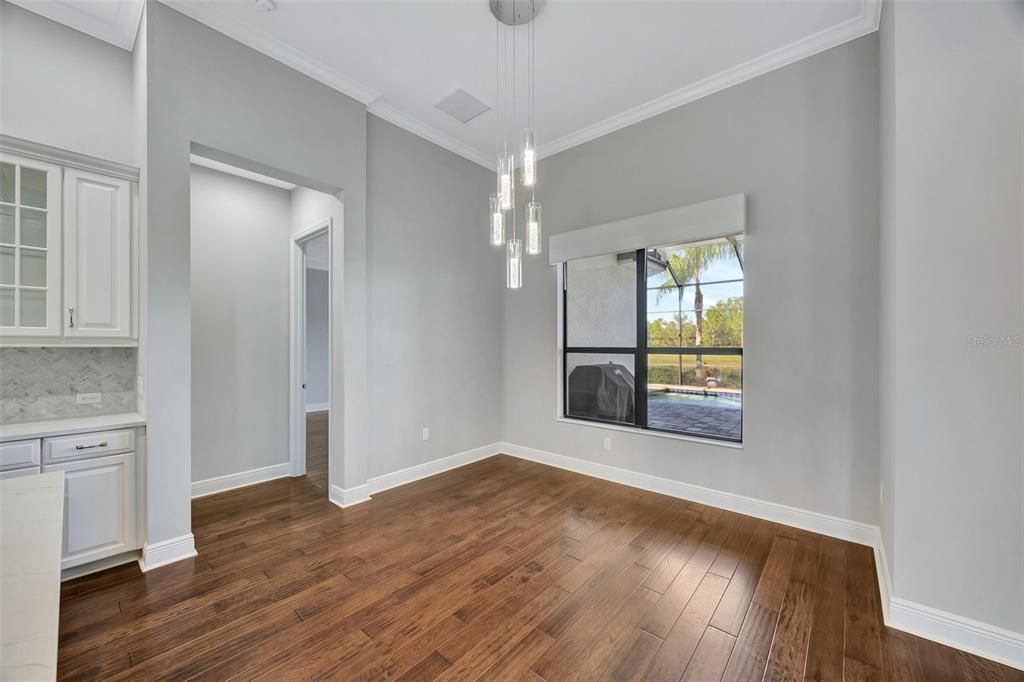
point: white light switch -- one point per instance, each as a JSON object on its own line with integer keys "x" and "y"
{"x": 426, "y": 433}
{"x": 88, "y": 398}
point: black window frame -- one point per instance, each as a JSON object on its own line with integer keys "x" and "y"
{"x": 640, "y": 353}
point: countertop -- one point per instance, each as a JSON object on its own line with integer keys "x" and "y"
{"x": 61, "y": 427}
{"x": 31, "y": 519}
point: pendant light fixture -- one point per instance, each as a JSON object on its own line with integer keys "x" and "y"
{"x": 512, "y": 16}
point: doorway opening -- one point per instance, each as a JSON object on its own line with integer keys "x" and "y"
{"x": 311, "y": 250}
{"x": 262, "y": 251}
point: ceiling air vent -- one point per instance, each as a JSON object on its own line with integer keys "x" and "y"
{"x": 462, "y": 106}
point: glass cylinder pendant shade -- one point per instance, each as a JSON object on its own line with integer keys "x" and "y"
{"x": 533, "y": 228}
{"x": 505, "y": 169}
{"x": 497, "y": 222}
{"x": 529, "y": 172}
{"x": 515, "y": 264}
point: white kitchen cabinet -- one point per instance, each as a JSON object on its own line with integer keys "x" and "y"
{"x": 30, "y": 247}
{"x": 97, "y": 256}
{"x": 69, "y": 248}
{"x": 99, "y": 508}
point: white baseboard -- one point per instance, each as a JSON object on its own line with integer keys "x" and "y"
{"x": 219, "y": 484}
{"x": 414, "y": 473}
{"x": 100, "y": 565}
{"x": 167, "y": 552}
{"x": 844, "y": 529}
{"x": 982, "y": 639}
{"x": 348, "y": 497}
{"x": 318, "y": 407}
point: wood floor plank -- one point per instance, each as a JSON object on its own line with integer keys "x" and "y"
{"x": 863, "y": 614}
{"x": 500, "y": 570}
{"x": 682, "y": 640}
{"x": 733, "y": 607}
{"x": 493, "y": 638}
{"x": 711, "y": 657}
{"x": 635, "y": 657}
{"x": 788, "y": 656}
{"x": 828, "y": 620}
{"x": 749, "y": 658}
{"x": 976, "y": 669}
{"x": 672, "y": 603}
{"x": 750, "y": 653}
{"x": 578, "y": 624}
{"x": 735, "y": 545}
{"x": 516, "y": 664}
{"x": 610, "y": 646}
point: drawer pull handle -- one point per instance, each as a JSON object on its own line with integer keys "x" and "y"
{"x": 89, "y": 447}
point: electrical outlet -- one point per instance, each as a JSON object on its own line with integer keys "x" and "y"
{"x": 88, "y": 398}
{"x": 426, "y": 433}
{"x": 607, "y": 443}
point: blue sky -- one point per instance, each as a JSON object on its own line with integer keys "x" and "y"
{"x": 667, "y": 304}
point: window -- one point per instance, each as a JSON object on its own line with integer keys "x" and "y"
{"x": 653, "y": 339}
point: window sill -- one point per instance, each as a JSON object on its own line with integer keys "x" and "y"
{"x": 648, "y": 432}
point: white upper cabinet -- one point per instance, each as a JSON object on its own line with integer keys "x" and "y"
{"x": 69, "y": 251}
{"x": 30, "y": 247}
{"x": 97, "y": 256}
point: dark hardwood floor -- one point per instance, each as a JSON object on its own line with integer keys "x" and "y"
{"x": 316, "y": 448}
{"x": 500, "y": 570}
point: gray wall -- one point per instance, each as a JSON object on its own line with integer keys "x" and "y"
{"x": 240, "y": 234}
{"x": 209, "y": 90}
{"x": 953, "y": 313}
{"x": 64, "y": 88}
{"x": 317, "y": 337}
{"x": 801, "y": 142}
{"x": 435, "y": 302}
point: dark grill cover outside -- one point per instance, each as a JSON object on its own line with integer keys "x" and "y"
{"x": 601, "y": 392}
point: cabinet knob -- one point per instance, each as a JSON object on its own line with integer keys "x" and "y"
{"x": 71, "y": 317}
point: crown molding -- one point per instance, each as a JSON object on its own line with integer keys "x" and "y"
{"x": 210, "y": 15}
{"x": 63, "y": 157}
{"x": 851, "y": 29}
{"x": 120, "y": 32}
{"x": 390, "y": 114}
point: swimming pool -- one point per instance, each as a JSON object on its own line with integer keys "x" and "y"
{"x": 701, "y": 399}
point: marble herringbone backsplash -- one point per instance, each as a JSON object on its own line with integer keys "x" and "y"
{"x": 37, "y": 384}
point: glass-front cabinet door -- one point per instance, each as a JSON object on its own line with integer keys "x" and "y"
{"x": 30, "y": 249}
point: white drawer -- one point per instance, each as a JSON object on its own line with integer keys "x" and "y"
{"x": 15, "y": 473}
{"x": 19, "y": 453}
{"x": 87, "y": 445}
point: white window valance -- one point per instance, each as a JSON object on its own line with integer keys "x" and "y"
{"x": 722, "y": 217}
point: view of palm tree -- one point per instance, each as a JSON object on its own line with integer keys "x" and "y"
{"x": 684, "y": 273}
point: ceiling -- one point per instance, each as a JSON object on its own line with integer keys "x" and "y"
{"x": 600, "y": 65}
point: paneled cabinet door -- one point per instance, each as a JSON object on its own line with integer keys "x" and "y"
{"x": 30, "y": 249}
{"x": 99, "y": 508}
{"x": 97, "y": 256}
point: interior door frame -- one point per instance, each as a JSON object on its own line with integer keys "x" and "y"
{"x": 297, "y": 343}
